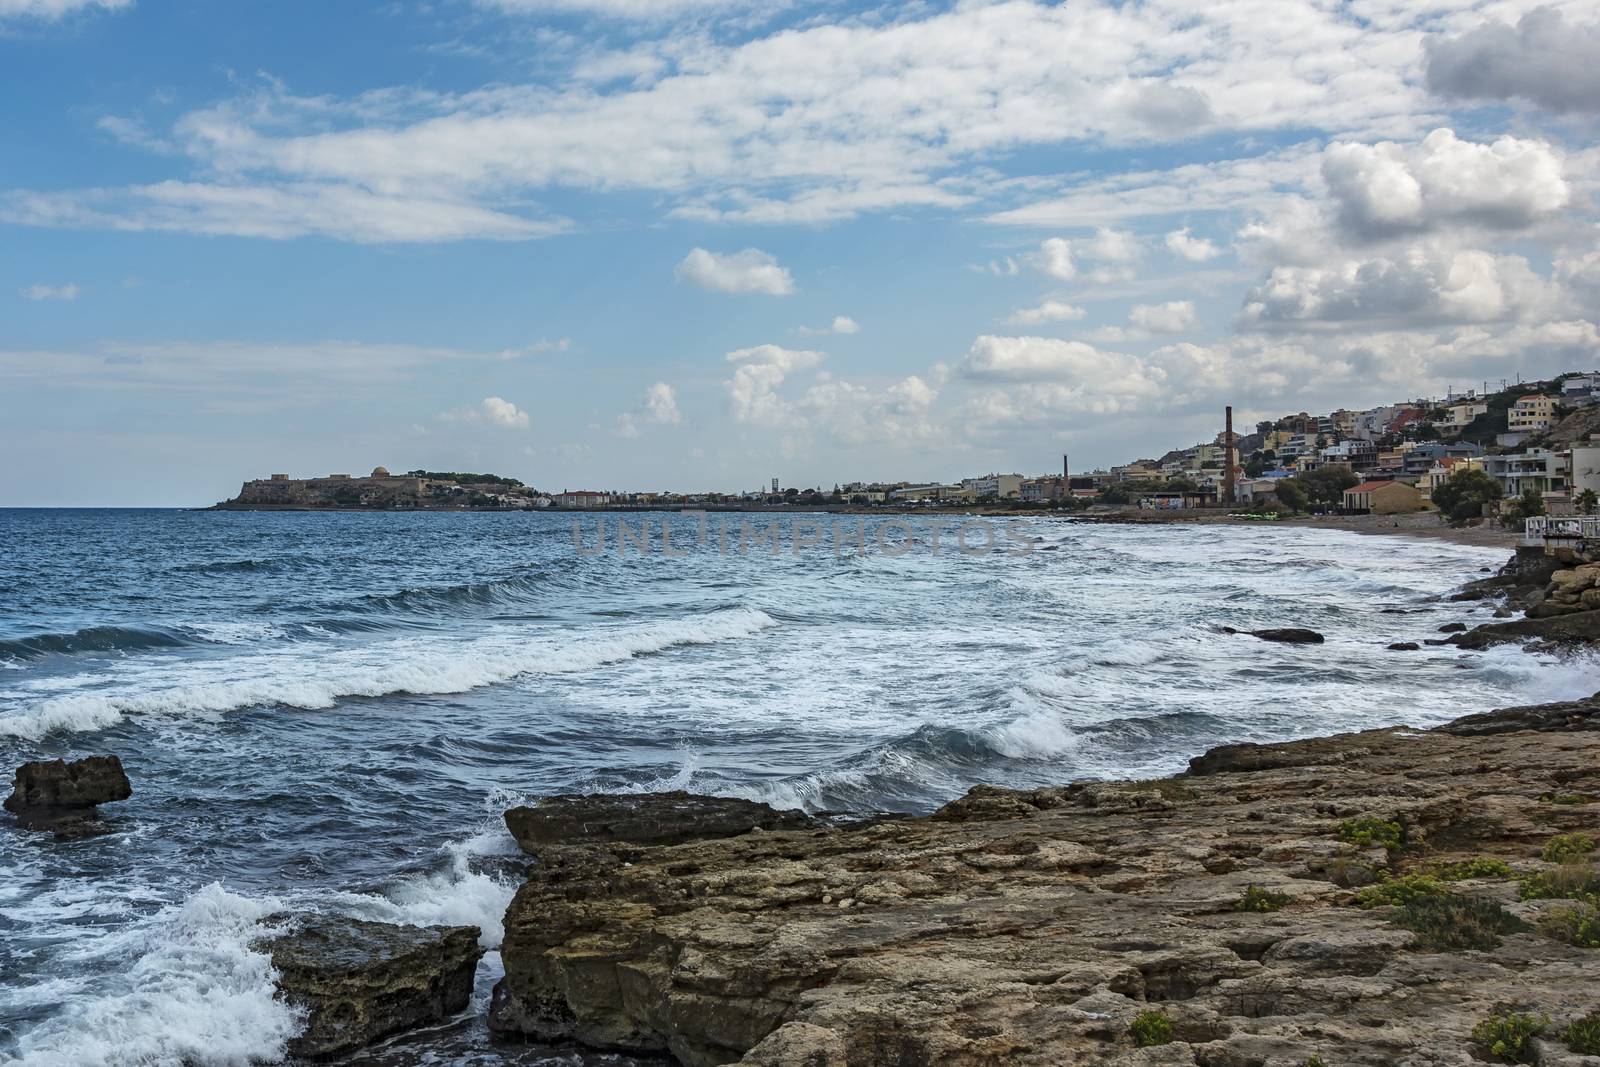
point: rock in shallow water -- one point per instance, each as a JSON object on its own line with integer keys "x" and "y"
{"x": 642, "y": 819}
{"x": 1292, "y": 635}
{"x": 361, "y": 981}
{"x": 62, "y": 797}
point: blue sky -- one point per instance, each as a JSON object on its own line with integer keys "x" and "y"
{"x": 687, "y": 244}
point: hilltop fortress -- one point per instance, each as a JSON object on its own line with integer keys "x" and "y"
{"x": 381, "y": 490}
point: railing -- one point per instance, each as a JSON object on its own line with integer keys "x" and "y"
{"x": 1541, "y": 527}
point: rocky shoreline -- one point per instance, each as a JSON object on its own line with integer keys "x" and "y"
{"x": 1395, "y": 896}
{"x": 1366, "y": 898}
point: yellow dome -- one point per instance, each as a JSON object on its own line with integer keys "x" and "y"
{"x": 380, "y": 472}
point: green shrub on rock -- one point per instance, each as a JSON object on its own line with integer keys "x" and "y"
{"x": 1150, "y": 1028}
{"x": 1477, "y": 867}
{"x": 1583, "y": 1036}
{"x": 1578, "y": 926}
{"x": 1570, "y": 881}
{"x": 1508, "y": 1038}
{"x": 1372, "y": 832}
{"x": 1257, "y": 899}
{"x": 1563, "y": 847}
{"x": 1454, "y": 923}
{"x": 1403, "y": 890}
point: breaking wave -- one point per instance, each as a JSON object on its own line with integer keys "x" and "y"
{"x": 418, "y": 666}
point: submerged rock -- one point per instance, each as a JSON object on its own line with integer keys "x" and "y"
{"x": 1453, "y": 628}
{"x": 361, "y": 981}
{"x": 642, "y": 819}
{"x": 62, "y": 797}
{"x": 1031, "y": 928}
{"x": 1288, "y": 634}
{"x": 1405, "y": 646}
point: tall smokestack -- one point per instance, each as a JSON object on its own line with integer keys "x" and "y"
{"x": 1227, "y": 458}
{"x": 1065, "y": 474}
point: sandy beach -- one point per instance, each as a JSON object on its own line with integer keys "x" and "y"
{"x": 1427, "y": 525}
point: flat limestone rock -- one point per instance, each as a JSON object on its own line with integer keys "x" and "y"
{"x": 362, "y": 981}
{"x": 642, "y": 819}
{"x": 1030, "y": 929}
{"x": 62, "y": 797}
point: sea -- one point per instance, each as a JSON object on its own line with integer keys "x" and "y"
{"x": 329, "y": 712}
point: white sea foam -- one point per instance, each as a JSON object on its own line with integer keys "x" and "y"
{"x": 310, "y": 676}
{"x": 191, "y": 991}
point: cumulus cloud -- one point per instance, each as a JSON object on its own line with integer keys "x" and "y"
{"x": 1049, "y": 359}
{"x": 749, "y": 271}
{"x": 1175, "y": 316}
{"x": 1186, "y": 246}
{"x": 1423, "y": 287}
{"x": 1053, "y": 259}
{"x": 661, "y": 404}
{"x": 900, "y": 413}
{"x": 1384, "y": 189}
{"x": 1543, "y": 59}
{"x": 1049, "y": 311}
{"x": 752, "y": 390}
{"x": 51, "y": 292}
{"x": 50, "y": 10}
{"x": 491, "y": 411}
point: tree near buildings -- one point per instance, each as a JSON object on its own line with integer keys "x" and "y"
{"x": 1464, "y": 495}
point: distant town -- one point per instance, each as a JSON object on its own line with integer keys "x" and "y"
{"x": 1520, "y": 451}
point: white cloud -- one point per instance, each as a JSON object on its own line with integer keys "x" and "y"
{"x": 51, "y": 10}
{"x": 1195, "y": 249}
{"x": 827, "y": 118}
{"x": 1175, "y": 316}
{"x": 753, "y": 387}
{"x": 661, "y": 404}
{"x": 1112, "y": 246}
{"x": 1049, "y": 359}
{"x": 1425, "y": 286}
{"x": 278, "y": 212}
{"x": 631, "y": 9}
{"x": 1192, "y": 187}
{"x": 1054, "y": 259}
{"x": 493, "y": 411}
{"x": 1543, "y": 59}
{"x": 1387, "y": 189}
{"x": 899, "y": 414}
{"x": 841, "y": 324}
{"x": 51, "y": 292}
{"x": 1049, "y": 311}
{"x": 749, "y": 271}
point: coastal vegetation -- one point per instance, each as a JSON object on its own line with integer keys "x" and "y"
{"x": 1406, "y": 889}
{"x": 1583, "y": 1035}
{"x": 1567, "y": 846}
{"x": 1450, "y": 922}
{"x": 1508, "y": 1037}
{"x": 1150, "y": 1028}
{"x": 1255, "y": 898}
{"x": 1477, "y": 867}
{"x": 1373, "y": 832}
